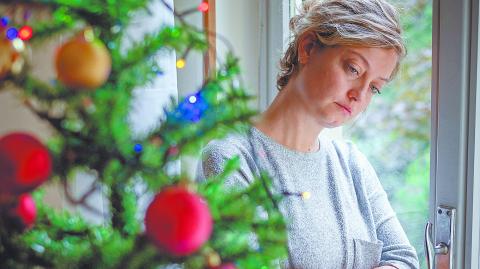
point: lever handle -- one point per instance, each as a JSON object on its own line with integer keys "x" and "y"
{"x": 429, "y": 248}
{"x": 445, "y": 233}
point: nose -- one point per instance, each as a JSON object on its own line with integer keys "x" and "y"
{"x": 352, "y": 95}
{"x": 357, "y": 92}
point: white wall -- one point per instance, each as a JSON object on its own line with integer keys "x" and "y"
{"x": 191, "y": 76}
{"x": 239, "y": 23}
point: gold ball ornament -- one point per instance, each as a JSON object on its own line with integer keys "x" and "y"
{"x": 10, "y": 58}
{"x": 83, "y": 62}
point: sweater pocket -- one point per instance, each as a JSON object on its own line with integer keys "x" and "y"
{"x": 366, "y": 254}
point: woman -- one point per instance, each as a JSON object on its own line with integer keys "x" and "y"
{"x": 343, "y": 52}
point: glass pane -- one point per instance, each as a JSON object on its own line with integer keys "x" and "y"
{"x": 394, "y": 132}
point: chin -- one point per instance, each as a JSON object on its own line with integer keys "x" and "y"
{"x": 332, "y": 124}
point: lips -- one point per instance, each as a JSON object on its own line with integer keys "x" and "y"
{"x": 347, "y": 109}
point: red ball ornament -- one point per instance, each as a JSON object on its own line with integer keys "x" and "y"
{"x": 25, "y": 163}
{"x": 26, "y": 210}
{"x": 178, "y": 221}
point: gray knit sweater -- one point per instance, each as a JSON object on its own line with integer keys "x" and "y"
{"x": 346, "y": 223}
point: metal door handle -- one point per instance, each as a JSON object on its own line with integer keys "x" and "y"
{"x": 445, "y": 234}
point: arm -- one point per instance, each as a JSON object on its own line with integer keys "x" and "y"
{"x": 397, "y": 251}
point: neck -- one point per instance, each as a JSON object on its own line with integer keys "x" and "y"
{"x": 288, "y": 122}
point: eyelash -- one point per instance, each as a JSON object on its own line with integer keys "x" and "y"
{"x": 375, "y": 90}
{"x": 354, "y": 71}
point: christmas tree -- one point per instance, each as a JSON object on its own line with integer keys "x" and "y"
{"x": 187, "y": 223}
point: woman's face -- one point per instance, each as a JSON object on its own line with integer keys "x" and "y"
{"x": 337, "y": 83}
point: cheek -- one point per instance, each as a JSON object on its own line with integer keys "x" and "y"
{"x": 336, "y": 86}
{"x": 364, "y": 105}
{"x": 325, "y": 84}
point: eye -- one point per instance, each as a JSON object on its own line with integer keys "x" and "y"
{"x": 375, "y": 90}
{"x": 353, "y": 70}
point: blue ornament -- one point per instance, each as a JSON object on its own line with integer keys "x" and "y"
{"x": 12, "y": 33}
{"x": 138, "y": 148}
{"x": 192, "y": 108}
{"x": 4, "y": 21}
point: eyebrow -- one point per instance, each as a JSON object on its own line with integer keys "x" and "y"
{"x": 366, "y": 62}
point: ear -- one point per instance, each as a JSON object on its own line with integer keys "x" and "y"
{"x": 306, "y": 42}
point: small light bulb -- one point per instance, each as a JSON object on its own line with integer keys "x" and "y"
{"x": 192, "y": 99}
{"x": 180, "y": 63}
{"x": 4, "y": 21}
{"x": 25, "y": 33}
{"x": 138, "y": 148}
{"x": 306, "y": 195}
{"x": 203, "y": 7}
{"x": 12, "y": 33}
{"x": 18, "y": 44}
{"x": 88, "y": 34}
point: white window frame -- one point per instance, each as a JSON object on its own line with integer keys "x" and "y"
{"x": 455, "y": 119}
{"x": 274, "y": 36}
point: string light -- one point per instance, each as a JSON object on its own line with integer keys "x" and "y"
{"x": 12, "y": 33}
{"x": 306, "y": 195}
{"x": 203, "y": 7}
{"x": 4, "y": 21}
{"x": 138, "y": 148}
{"x": 25, "y": 33}
{"x": 88, "y": 34}
{"x": 18, "y": 44}
{"x": 192, "y": 99}
{"x": 180, "y": 63}
{"x": 191, "y": 109}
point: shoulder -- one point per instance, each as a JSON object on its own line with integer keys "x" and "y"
{"x": 234, "y": 144}
{"x": 345, "y": 151}
{"x": 218, "y": 151}
{"x": 346, "y": 156}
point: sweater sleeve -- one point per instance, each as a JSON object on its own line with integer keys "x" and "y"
{"x": 397, "y": 250}
{"x": 214, "y": 156}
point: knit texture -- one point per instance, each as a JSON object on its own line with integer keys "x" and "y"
{"x": 346, "y": 223}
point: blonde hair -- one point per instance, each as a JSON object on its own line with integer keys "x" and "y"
{"x": 360, "y": 23}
